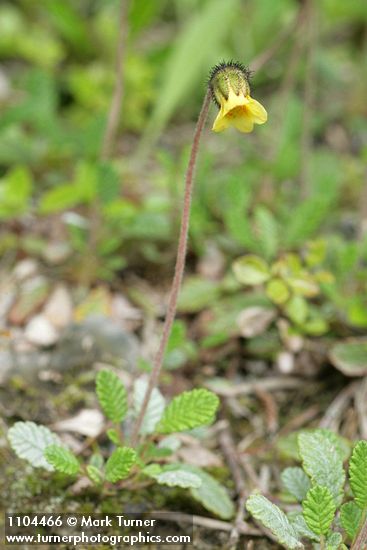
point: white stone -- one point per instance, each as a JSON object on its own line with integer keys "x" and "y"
{"x": 59, "y": 307}
{"x": 285, "y": 362}
{"x": 25, "y": 269}
{"x": 41, "y": 332}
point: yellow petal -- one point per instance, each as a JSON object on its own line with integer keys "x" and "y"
{"x": 239, "y": 111}
{"x": 256, "y": 111}
{"x": 233, "y": 101}
{"x": 243, "y": 123}
{"x": 221, "y": 122}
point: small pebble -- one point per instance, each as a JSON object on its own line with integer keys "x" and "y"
{"x": 41, "y": 332}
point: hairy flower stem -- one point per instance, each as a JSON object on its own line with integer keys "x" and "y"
{"x": 179, "y": 268}
{"x": 360, "y": 543}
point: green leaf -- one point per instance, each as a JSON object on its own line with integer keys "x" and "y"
{"x": 296, "y": 482}
{"x": 94, "y": 474}
{"x": 113, "y": 436}
{"x": 236, "y": 203}
{"x": 350, "y": 517}
{"x": 175, "y": 475}
{"x": 277, "y": 291}
{"x": 15, "y": 192}
{"x": 350, "y": 357}
{"x": 189, "y": 410}
{"x": 67, "y": 195}
{"x": 306, "y": 218}
{"x": 297, "y": 309}
{"x": 303, "y": 284}
{"x": 334, "y": 541}
{"x": 179, "y": 348}
{"x": 266, "y": 231}
{"x": 60, "y": 198}
{"x": 69, "y": 24}
{"x": 342, "y": 445}
{"x": 211, "y": 494}
{"x": 62, "y": 459}
{"x": 319, "y": 509}
{"x": 288, "y": 445}
{"x": 155, "y": 406}
{"x": 108, "y": 183}
{"x": 251, "y": 270}
{"x": 274, "y": 519}
{"x": 97, "y": 461}
{"x": 119, "y": 464}
{"x": 315, "y": 326}
{"x": 197, "y": 293}
{"x": 322, "y": 461}
{"x": 111, "y": 395}
{"x": 303, "y": 531}
{"x": 29, "y": 441}
{"x": 171, "y": 442}
{"x": 358, "y": 473}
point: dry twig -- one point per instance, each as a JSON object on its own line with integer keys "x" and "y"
{"x": 265, "y": 384}
{"x": 210, "y": 523}
{"x": 335, "y": 411}
{"x": 360, "y": 400}
{"x": 308, "y": 99}
{"x": 109, "y": 137}
{"x": 229, "y": 450}
{"x": 264, "y": 57}
{"x": 116, "y": 102}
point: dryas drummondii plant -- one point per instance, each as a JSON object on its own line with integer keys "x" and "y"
{"x": 144, "y": 453}
{"x": 328, "y": 516}
{"x": 230, "y": 89}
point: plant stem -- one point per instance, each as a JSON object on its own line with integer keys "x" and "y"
{"x": 108, "y": 142}
{"x": 308, "y": 99}
{"x": 360, "y": 542}
{"x": 115, "y": 107}
{"x": 179, "y": 268}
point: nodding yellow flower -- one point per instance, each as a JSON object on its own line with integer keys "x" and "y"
{"x": 229, "y": 84}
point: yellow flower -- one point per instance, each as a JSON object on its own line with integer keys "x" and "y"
{"x": 229, "y": 83}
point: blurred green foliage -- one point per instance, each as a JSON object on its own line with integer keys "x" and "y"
{"x": 56, "y": 82}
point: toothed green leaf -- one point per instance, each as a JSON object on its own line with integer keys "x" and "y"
{"x": 350, "y": 517}
{"x": 29, "y": 441}
{"x": 303, "y": 531}
{"x": 155, "y": 406}
{"x": 119, "y": 464}
{"x": 319, "y": 509}
{"x": 296, "y": 482}
{"x": 175, "y": 475}
{"x": 113, "y": 436}
{"x": 334, "y": 541}
{"x": 211, "y": 494}
{"x": 62, "y": 459}
{"x": 358, "y": 473}
{"x": 322, "y": 461}
{"x": 111, "y": 395}
{"x": 94, "y": 474}
{"x": 189, "y": 410}
{"x": 274, "y": 519}
{"x": 251, "y": 270}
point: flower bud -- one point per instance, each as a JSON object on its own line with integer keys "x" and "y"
{"x": 230, "y": 88}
